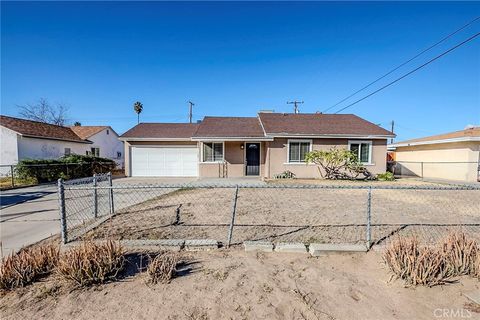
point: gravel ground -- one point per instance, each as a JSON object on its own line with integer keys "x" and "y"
{"x": 293, "y": 214}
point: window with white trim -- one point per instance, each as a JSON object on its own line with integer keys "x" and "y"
{"x": 297, "y": 150}
{"x": 95, "y": 152}
{"x": 67, "y": 151}
{"x": 212, "y": 151}
{"x": 363, "y": 150}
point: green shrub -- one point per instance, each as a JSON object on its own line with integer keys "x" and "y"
{"x": 68, "y": 167}
{"x": 387, "y": 176}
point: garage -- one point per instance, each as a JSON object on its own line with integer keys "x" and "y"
{"x": 164, "y": 161}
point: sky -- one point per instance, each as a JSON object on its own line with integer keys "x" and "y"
{"x": 236, "y": 58}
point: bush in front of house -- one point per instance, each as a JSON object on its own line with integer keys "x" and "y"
{"x": 28, "y": 265}
{"x": 387, "y": 176}
{"x": 338, "y": 164}
{"x": 285, "y": 175}
{"x": 67, "y": 167}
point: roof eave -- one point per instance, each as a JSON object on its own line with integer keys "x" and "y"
{"x": 152, "y": 139}
{"x": 345, "y": 136}
{"x": 439, "y": 141}
{"x": 232, "y": 138}
{"x": 57, "y": 139}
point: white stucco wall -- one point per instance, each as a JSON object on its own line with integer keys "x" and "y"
{"x": 8, "y": 146}
{"x": 109, "y": 145}
{"x": 449, "y": 161}
{"x": 34, "y": 148}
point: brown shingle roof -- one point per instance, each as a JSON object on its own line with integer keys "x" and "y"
{"x": 86, "y": 132}
{"x": 471, "y": 132}
{"x": 162, "y": 130}
{"x": 229, "y": 127}
{"x": 39, "y": 129}
{"x": 319, "y": 124}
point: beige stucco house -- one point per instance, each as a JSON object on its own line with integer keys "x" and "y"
{"x": 261, "y": 146}
{"x": 450, "y": 156}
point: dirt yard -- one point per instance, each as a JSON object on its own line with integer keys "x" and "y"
{"x": 237, "y": 285}
{"x": 294, "y": 214}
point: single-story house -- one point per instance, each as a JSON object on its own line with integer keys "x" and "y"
{"x": 105, "y": 142}
{"x": 26, "y": 139}
{"x": 261, "y": 146}
{"x": 450, "y": 156}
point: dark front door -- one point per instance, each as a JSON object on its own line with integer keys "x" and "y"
{"x": 252, "y": 155}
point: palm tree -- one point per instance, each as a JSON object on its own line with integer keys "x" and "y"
{"x": 138, "y": 107}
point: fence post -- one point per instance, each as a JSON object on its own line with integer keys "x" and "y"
{"x": 13, "y": 177}
{"x": 232, "y": 221}
{"x": 63, "y": 215}
{"x": 369, "y": 217}
{"x": 110, "y": 194}
{"x": 95, "y": 197}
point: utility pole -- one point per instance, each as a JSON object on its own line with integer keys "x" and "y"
{"x": 190, "y": 110}
{"x": 295, "y": 103}
{"x": 393, "y": 125}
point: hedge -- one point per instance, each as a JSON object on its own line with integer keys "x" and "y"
{"x": 67, "y": 167}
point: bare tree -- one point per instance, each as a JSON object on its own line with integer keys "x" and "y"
{"x": 42, "y": 111}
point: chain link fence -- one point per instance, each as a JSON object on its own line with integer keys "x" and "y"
{"x": 232, "y": 214}
{"x": 18, "y": 175}
{"x": 460, "y": 171}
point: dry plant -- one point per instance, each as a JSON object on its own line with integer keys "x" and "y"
{"x": 163, "y": 267}
{"x": 414, "y": 264}
{"x": 27, "y": 266}
{"x": 92, "y": 263}
{"x": 460, "y": 253}
{"x": 476, "y": 272}
{"x": 454, "y": 256}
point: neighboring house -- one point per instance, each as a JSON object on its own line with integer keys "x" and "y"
{"x": 259, "y": 146}
{"x": 449, "y": 156}
{"x": 25, "y": 139}
{"x": 104, "y": 140}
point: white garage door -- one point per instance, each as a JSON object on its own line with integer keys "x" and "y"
{"x": 165, "y": 162}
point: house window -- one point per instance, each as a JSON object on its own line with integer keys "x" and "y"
{"x": 363, "y": 150}
{"x": 297, "y": 150}
{"x": 212, "y": 151}
{"x": 108, "y": 131}
{"x": 94, "y": 152}
{"x": 67, "y": 151}
{"x": 119, "y": 154}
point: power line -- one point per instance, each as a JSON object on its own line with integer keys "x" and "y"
{"x": 409, "y": 73}
{"x": 406, "y": 62}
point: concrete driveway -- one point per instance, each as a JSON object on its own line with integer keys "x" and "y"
{"x": 29, "y": 215}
